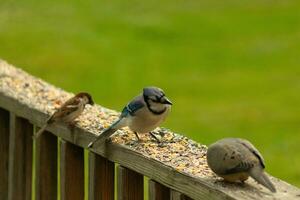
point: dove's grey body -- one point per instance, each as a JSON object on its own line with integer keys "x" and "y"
{"x": 236, "y": 159}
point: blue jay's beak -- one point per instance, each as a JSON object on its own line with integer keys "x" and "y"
{"x": 165, "y": 100}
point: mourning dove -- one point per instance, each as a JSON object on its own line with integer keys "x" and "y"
{"x": 236, "y": 159}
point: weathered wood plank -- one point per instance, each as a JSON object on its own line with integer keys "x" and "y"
{"x": 200, "y": 187}
{"x": 175, "y": 195}
{"x": 196, "y": 188}
{"x": 101, "y": 178}
{"x": 38, "y": 118}
{"x": 130, "y": 184}
{"x": 4, "y": 148}
{"x": 71, "y": 171}
{"x": 158, "y": 191}
{"x": 46, "y": 167}
{"x": 20, "y": 158}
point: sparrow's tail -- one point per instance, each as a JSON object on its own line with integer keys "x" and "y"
{"x": 107, "y": 133}
{"x": 36, "y": 135}
{"x": 257, "y": 174}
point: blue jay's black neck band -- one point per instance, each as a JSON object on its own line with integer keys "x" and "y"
{"x": 155, "y": 112}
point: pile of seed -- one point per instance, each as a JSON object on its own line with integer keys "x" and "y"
{"x": 174, "y": 150}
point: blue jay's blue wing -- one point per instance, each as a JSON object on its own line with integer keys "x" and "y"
{"x": 132, "y": 107}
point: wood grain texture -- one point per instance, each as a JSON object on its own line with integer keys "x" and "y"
{"x": 130, "y": 184}
{"x": 71, "y": 171}
{"x": 164, "y": 174}
{"x": 46, "y": 167}
{"x": 175, "y": 195}
{"x": 158, "y": 191}
{"x": 195, "y": 187}
{"x": 4, "y": 148}
{"x": 20, "y": 158}
{"x": 101, "y": 178}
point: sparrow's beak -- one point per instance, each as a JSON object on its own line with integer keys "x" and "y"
{"x": 165, "y": 100}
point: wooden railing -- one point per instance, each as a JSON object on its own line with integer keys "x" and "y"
{"x": 176, "y": 170}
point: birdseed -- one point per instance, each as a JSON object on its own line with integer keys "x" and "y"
{"x": 175, "y": 150}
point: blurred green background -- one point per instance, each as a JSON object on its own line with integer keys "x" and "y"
{"x": 230, "y": 67}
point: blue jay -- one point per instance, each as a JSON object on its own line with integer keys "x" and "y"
{"x": 142, "y": 115}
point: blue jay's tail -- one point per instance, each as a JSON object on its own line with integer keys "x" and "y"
{"x": 258, "y": 175}
{"x": 106, "y": 133}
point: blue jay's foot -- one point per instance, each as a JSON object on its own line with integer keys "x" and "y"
{"x": 152, "y": 135}
{"x": 137, "y": 136}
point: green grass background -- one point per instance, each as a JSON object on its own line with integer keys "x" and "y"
{"x": 230, "y": 67}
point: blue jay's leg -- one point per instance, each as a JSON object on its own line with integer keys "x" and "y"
{"x": 152, "y": 135}
{"x": 137, "y": 136}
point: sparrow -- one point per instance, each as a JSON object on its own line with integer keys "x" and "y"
{"x": 142, "y": 114}
{"x": 236, "y": 159}
{"x": 69, "y": 111}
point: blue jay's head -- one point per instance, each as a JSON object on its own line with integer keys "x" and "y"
{"x": 155, "y": 95}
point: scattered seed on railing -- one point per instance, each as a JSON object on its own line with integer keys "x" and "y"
{"x": 175, "y": 150}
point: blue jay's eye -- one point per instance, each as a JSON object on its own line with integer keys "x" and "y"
{"x": 160, "y": 98}
{"x": 157, "y": 99}
{"x": 154, "y": 99}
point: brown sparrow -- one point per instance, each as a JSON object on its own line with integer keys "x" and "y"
{"x": 69, "y": 111}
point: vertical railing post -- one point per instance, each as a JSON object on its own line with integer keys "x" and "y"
{"x": 158, "y": 191}
{"x": 175, "y": 195}
{"x": 130, "y": 184}
{"x": 71, "y": 171}
{"x": 46, "y": 167}
{"x": 4, "y": 148}
{"x": 20, "y": 158}
{"x": 101, "y": 178}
